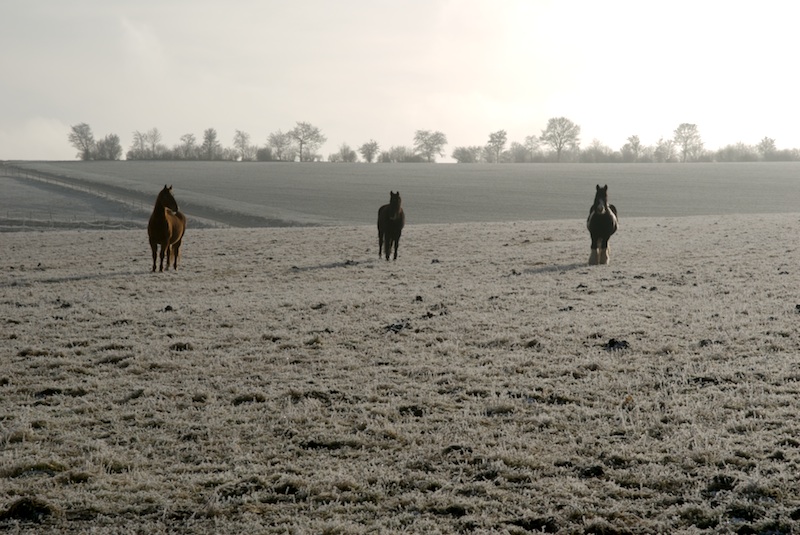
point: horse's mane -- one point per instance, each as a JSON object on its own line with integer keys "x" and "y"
{"x": 394, "y": 209}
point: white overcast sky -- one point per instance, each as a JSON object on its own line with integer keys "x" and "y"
{"x": 379, "y": 69}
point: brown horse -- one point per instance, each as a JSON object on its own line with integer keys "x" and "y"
{"x": 602, "y": 223}
{"x": 166, "y": 228}
{"x": 391, "y": 220}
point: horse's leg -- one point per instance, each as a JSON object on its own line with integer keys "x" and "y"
{"x": 168, "y": 255}
{"x": 593, "y": 255}
{"x": 154, "y": 248}
{"x": 176, "y": 252}
{"x": 164, "y": 247}
{"x": 380, "y": 243}
{"x": 604, "y": 252}
{"x": 396, "y": 245}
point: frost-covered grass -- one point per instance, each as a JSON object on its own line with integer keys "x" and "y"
{"x": 289, "y": 381}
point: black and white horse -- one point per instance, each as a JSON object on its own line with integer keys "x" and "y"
{"x": 602, "y": 223}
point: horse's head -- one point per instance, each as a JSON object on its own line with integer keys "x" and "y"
{"x": 601, "y": 199}
{"x": 394, "y": 203}
{"x": 166, "y": 199}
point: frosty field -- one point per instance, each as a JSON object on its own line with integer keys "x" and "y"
{"x": 286, "y": 380}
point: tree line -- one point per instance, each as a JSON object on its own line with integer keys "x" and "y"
{"x": 558, "y": 142}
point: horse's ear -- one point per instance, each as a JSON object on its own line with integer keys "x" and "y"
{"x": 598, "y": 187}
{"x": 605, "y": 188}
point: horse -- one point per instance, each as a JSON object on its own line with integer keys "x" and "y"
{"x": 391, "y": 220}
{"x": 602, "y": 224}
{"x": 166, "y": 228}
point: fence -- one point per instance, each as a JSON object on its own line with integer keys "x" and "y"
{"x": 112, "y": 210}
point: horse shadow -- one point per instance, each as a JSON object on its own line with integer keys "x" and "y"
{"x": 557, "y": 268}
{"x": 25, "y": 282}
{"x": 331, "y": 265}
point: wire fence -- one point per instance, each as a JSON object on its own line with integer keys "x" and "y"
{"x": 117, "y": 212}
{"x": 14, "y": 221}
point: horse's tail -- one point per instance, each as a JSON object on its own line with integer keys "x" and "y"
{"x": 182, "y": 218}
{"x": 381, "y": 229}
{"x": 383, "y": 217}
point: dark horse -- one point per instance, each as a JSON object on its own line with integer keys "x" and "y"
{"x": 391, "y": 221}
{"x": 166, "y": 228}
{"x": 602, "y": 223}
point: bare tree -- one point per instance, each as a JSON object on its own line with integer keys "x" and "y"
{"x": 518, "y": 152}
{"x": 597, "y": 152}
{"x": 532, "y": 144}
{"x": 400, "y": 154}
{"x": 188, "y": 147}
{"x": 497, "y": 142}
{"x": 664, "y": 151}
{"x": 241, "y": 142}
{"x": 154, "y": 140}
{"x": 346, "y": 154}
{"x": 429, "y": 144}
{"x": 279, "y": 142}
{"x": 138, "y": 150}
{"x": 738, "y": 152}
{"x": 467, "y": 154}
{"x": 688, "y": 139}
{"x": 308, "y": 138}
{"x": 211, "y": 148}
{"x": 632, "y": 149}
{"x": 82, "y": 139}
{"x": 108, "y": 148}
{"x": 146, "y": 145}
{"x": 766, "y": 147}
{"x": 560, "y": 134}
{"x": 369, "y": 150}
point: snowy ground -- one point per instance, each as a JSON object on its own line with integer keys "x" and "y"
{"x": 289, "y": 381}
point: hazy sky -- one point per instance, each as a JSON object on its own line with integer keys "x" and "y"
{"x": 379, "y": 69}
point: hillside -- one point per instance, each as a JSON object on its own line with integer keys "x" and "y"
{"x": 253, "y": 194}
